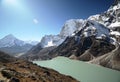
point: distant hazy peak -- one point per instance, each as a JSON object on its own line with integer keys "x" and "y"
{"x": 32, "y": 42}
{"x": 10, "y": 36}
{"x": 10, "y": 40}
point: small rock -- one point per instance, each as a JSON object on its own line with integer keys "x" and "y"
{"x": 14, "y": 80}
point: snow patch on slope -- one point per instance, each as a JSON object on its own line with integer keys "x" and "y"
{"x": 51, "y": 40}
{"x": 116, "y": 24}
{"x": 50, "y": 43}
{"x": 116, "y": 33}
{"x": 96, "y": 29}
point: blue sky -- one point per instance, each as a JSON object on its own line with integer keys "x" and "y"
{"x": 32, "y": 19}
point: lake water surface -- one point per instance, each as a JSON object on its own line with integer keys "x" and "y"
{"x": 81, "y": 71}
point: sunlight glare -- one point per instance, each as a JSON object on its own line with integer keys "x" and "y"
{"x": 13, "y": 2}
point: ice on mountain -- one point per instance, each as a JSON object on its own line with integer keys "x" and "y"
{"x": 116, "y": 24}
{"x": 116, "y": 33}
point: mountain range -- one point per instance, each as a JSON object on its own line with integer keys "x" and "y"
{"x": 92, "y": 40}
{"x": 10, "y": 44}
{"x": 81, "y": 43}
{"x": 95, "y": 40}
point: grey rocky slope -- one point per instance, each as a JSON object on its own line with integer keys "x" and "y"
{"x": 38, "y": 53}
{"x": 110, "y": 60}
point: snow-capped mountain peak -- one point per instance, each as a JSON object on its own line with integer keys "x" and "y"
{"x": 10, "y": 40}
{"x": 115, "y": 6}
{"x": 110, "y": 16}
{"x": 71, "y": 26}
{"x": 10, "y": 36}
{"x": 93, "y": 28}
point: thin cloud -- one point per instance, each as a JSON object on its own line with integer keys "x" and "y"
{"x": 35, "y": 21}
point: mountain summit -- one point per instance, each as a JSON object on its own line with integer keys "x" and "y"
{"x": 13, "y": 46}
{"x": 10, "y": 40}
{"x": 10, "y": 36}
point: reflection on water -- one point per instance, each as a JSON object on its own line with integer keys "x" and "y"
{"x": 83, "y": 72}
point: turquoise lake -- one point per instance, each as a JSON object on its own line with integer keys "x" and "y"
{"x": 81, "y": 71}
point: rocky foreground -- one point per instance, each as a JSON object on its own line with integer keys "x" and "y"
{"x": 14, "y": 70}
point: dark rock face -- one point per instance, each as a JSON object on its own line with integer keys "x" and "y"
{"x": 100, "y": 47}
{"x": 116, "y": 2}
{"x": 70, "y": 46}
{"x": 97, "y": 49}
{"x": 14, "y": 80}
{"x": 110, "y": 60}
{"x": 86, "y": 56}
{"x": 116, "y": 29}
